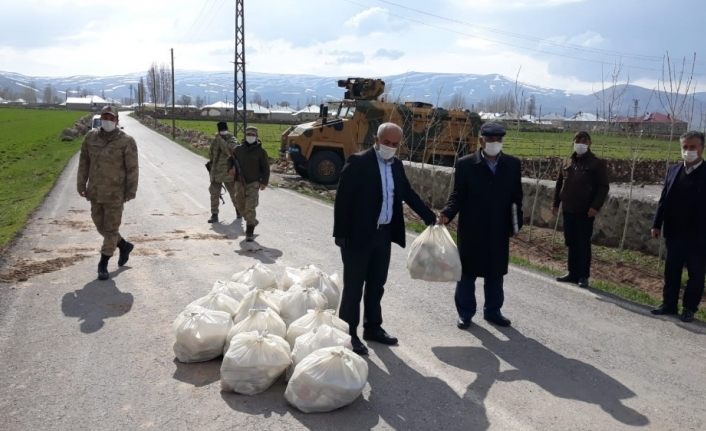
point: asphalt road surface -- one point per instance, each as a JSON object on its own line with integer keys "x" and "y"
{"x": 77, "y": 353}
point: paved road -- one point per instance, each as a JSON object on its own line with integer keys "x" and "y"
{"x": 77, "y": 353}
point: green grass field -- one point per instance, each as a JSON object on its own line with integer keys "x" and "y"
{"x": 31, "y": 158}
{"x": 545, "y": 144}
{"x": 269, "y": 133}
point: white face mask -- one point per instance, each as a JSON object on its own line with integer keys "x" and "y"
{"x": 251, "y": 139}
{"x": 386, "y": 152}
{"x": 223, "y": 132}
{"x": 689, "y": 155}
{"x": 580, "y": 148}
{"x": 108, "y": 125}
{"x": 493, "y": 148}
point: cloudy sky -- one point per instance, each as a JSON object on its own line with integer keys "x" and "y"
{"x": 563, "y": 44}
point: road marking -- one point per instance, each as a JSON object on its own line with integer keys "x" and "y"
{"x": 194, "y": 201}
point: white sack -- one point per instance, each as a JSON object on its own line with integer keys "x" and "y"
{"x": 253, "y": 362}
{"x": 257, "y": 298}
{"x": 327, "y": 379}
{"x": 258, "y": 276}
{"x": 259, "y": 320}
{"x": 313, "y": 276}
{"x": 311, "y": 320}
{"x": 200, "y": 334}
{"x": 433, "y": 256}
{"x": 317, "y": 338}
{"x": 298, "y": 300}
{"x": 233, "y": 289}
{"x": 217, "y": 301}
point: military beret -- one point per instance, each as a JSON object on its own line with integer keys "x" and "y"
{"x": 222, "y": 125}
{"x": 108, "y": 109}
{"x": 492, "y": 129}
{"x": 251, "y": 129}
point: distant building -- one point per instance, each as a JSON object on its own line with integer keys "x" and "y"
{"x": 88, "y": 103}
{"x": 309, "y": 113}
{"x": 652, "y": 123}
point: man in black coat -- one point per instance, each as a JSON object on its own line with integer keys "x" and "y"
{"x": 487, "y": 196}
{"x": 368, "y": 217}
{"x": 680, "y": 217}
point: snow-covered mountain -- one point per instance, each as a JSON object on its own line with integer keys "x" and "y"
{"x": 300, "y": 90}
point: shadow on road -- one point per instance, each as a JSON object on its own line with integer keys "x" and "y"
{"x": 257, "y": 251}
{"x": 97, "y": 301}
{"x": 560, "y": 376}
{"x": 232, "y": 230}
{"x": 199, "y": 373}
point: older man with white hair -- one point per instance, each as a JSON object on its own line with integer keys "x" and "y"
{"x": 368, "y": 218}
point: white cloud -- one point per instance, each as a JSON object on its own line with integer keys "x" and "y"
{"x": 373, "y": 13}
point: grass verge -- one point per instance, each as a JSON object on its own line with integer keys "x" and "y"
{"x": 31, "y": 158}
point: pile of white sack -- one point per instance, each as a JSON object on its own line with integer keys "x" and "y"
{"x": 266, "y": 326}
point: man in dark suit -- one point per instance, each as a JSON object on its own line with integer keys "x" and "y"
{"x": 368, "y": 217}
{"x": 487, "y": 196}
{"x": 680, "y": 217}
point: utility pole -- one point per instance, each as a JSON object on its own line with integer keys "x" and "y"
{"x": 173, "y": 110}
{"x": 635, "y": 103}
{"x": 240, "y": 120}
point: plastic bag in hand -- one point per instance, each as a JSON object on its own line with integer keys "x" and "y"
{"x": 313, "y": 319}
{"x": 200, "y": 334}
{"x": 433, "y": 256}
{"x": 257, "y": 276}
{"x": 327, "y": 379}
{"x": 259, "y": 319}
{"x": 253, "y": 362}
{"x": 217, "y": 301}
{"x": 298, "y": 300}
{"x": 257, "y": 298}
{"x": 317, "y": 338}
{"x": 233, "y": 289}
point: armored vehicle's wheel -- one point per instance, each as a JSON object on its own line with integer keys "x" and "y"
{"x": 325, "y": 167}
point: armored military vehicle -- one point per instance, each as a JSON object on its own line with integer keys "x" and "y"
{"x": 319, "y": 148}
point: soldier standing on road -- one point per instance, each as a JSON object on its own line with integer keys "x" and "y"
{"x": 581, "y": 189}
{"x": 681, "y": 212}
{"x": 107, "y": 176}
{"x": 252, "y": 174}
{"x": 487, "y": 197}
{"x": 219, "y": 158}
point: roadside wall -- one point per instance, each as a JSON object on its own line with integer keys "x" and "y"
{"x": 434, "y": 184}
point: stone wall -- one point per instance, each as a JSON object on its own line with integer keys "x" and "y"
{"x": 646, "y": 171}
{"x": 434, "y": 183}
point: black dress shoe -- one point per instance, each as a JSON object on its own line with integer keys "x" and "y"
{"x": 567, "y": 278}
{"x": 687, "y": 316}
{"x": 663, "y": 310}
{"x": 358, "y": 346}
{"x": 380, "y": 336}
{"x": 462, "y": 323}
{"x": 497, "y": 318}
{"x": 583, "y": 283}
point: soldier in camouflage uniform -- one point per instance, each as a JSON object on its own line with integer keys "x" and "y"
{"x": 219, "y": 155}
{"x": 252, "y": 175}
{"x": 107, "y": 176}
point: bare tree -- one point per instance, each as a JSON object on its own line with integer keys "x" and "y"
{"x": 185, "y": 100}
{"x": 48, "y": 94}
{"x": 674, "y": 88}
{"x": 611, "y": 99}
{"x": 457, "y": 101}
{"x": 531, "y": 105}
{"x": 199, "y": 101}
{"x": 519, "y": 96}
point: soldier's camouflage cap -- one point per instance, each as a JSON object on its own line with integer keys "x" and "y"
{"x": 492, "y": 129}
{"x": 108, "y": 109}
{"x": 251, "y": 129}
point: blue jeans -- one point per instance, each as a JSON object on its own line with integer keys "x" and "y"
{"x": 465, "y": 296}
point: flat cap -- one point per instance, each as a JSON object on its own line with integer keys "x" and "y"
{"x": 109, "y": 109}
{"x": 492, "y": 129}
{"x": 251, "y": 129}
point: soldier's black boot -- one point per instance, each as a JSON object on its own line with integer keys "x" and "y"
{"x": 125, "y": 249}
{"x": 237, "y": 214}
{"x": 214, "y": 218}
{"x": 103, "y": 268}
{"x": 249, "y": 233}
